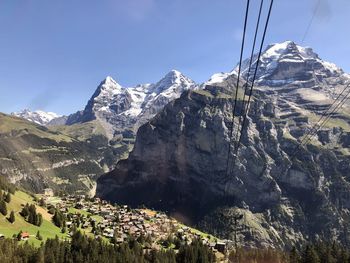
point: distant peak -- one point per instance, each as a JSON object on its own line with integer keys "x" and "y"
{"x": 176, "y": 72}
{"x": 38, "y": 116}
{"x": 110, "y": 85}
{"x": 109, "y": 80}
{"x": 173, "y": 74}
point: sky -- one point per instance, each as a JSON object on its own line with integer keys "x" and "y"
{"x": 53, "y": 54}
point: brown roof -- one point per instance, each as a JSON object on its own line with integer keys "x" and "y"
{"x": 24, "y": 234}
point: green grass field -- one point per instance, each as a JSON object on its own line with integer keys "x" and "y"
{"x": 47, "y": 229}
{"x": 81, "y": 131}
{"x": 9, "y": 123}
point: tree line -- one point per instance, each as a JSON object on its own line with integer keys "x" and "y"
{"x": 6, "y": 189}
{"x": 311, "y": 253}
{"x": 31, "y": 216}
{"x": 83, "y": 249}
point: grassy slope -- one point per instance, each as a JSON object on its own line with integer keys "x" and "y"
{"x": 9, "y": 123}
{"x": 81, "y": 131}
{"x": 47, "y": 229}
{"x": 27, "y": 148}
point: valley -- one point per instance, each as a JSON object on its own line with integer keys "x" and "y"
{"x": 113, "y": 224}
{"x": 164, "y": 146}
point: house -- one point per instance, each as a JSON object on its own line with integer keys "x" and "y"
{"x": 2, "y": 236}
{"x": 221, "y": 247}
{"x": 48, "y": 192}
{"x": 24, "y": 236}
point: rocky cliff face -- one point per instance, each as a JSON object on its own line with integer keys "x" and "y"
{"x": 179, "y": 160}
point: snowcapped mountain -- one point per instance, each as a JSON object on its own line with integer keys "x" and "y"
{"x": 120, "y": 108}
{"x": 285, "y": 63}
{"x": 38, "y": 117}
{"x": 300, "y": 80}
{"x": 282, "y": 189}
{"x": 167, "y": 89}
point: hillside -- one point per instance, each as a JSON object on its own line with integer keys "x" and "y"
{"x": 63, "y": 218}
{"x": 47, "y": 229}
{"x": 37, "y": 157}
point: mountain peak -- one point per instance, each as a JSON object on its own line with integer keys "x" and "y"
{"x": 108, "y": 85}
{"x": 287, "y": 62}
{"x": 39, "y": 117}
{"x": 109, "y": 80}
{"x": 173, "y": 75}
{"x": 171, "y": 80}
{"x": 276, "y": 50}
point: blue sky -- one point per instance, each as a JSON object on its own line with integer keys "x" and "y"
{"x": 53, "y": 54}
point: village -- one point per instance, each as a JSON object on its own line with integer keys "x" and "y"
{"x": 120, "y": 223}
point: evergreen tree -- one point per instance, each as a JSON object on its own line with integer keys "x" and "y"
{"x": 42, "y": 202}
{"x": 294, "y": 256}
{"x": 12, "y": 217}
{"x": 25, "y": 211}
{"x": 38, "y": 236}
{"x": 58, "y": 219}
{"x": 39, "y": 219}
{"x": 19, "y": 235}
{"x": 7, "y": 197}
{"x": 3, "y": 208}
{"x": 310, "y": 255}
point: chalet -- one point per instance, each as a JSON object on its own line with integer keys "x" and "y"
{"x": 24, "y": 236}
{"x": 220, "y": 246}
{"x": 2, "y": 236}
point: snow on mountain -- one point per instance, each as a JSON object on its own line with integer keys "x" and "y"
{"x": 217, "y": 78}
{"x": 120, "y": 108}
{"x": 296, "y": 75}
{"x": 38, "y": 117}
{"x": 138, "y": 95}
{"x": 106, "y": 93}
{"x": 167, "y": 89}
{"x": 286, "y": 62}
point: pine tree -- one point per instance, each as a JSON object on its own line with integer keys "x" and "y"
{"x": 310, "y": 255}
{"x": 38, "y": 236}
{"x": 39, "y": 219}
{"x": 3, "y": 208}
{"x": 294, "y": 256}
{"x": 19, "y": 235}
{"x": 25, "y": 211}
{"x": 7, "y": 197}
{"x": 42, "y": 202}
{"x": 58, "y": 219}
{"x": 12, "y": 217}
